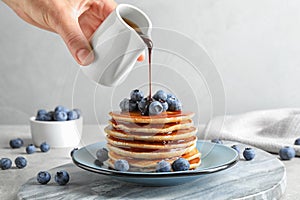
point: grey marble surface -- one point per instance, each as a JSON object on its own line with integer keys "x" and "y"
{"x": 240, "y": 181}
{"x": 263, "y": 182}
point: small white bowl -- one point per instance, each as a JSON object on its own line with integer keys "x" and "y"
{"x": 56, "y": 133}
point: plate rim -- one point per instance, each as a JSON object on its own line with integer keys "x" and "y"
{"x": 195, "y": 172}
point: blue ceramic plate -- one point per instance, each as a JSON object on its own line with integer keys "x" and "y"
{"x": 215, "y": 157}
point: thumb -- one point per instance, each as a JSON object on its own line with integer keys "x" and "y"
{"x": 76, "y": 42}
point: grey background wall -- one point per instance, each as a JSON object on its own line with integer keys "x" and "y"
{"x": 254, "y": 44}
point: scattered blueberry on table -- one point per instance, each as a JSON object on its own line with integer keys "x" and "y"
{"x": 43, "y": 177}
{"x": 297, "y": 141}
{"x": 287, "y": 153}
{"x": 45, "y": 147}
{"x": 30, "y": 149}
{"x": 16, "y": 143}
{"x": 62, "y": 177}
{"x": 180, "y": 164}
{"x": 102, "y": 154}
{"x": 248, "y": 153}
{"x": 20, "y": 162}
{"x": 218, "y": 141}
{"x": 60, "y": 113}
{"x": 163, "y": 166}
{"x": 121, "y": 165}
{"x": 5, "y": 163}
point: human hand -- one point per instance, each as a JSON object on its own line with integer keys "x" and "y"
{"x": 74, "y": 20}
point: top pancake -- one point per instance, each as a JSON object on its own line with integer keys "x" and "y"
{"x": 165, "y": 117}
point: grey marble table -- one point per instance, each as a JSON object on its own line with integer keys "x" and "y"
{"x": 262, "y": 178}
{"x": 267, "y": 179}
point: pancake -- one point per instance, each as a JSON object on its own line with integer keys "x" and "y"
{"x": 151, "y": 163}
{"x": 194, "y": 163}
{"x": 174, "y": 135}
{"x": 151, "y": 128}
{"x": 166, "y": 117}
{"x": 141, "y": 153}
{"x": 145, "y": 140}
{"x": 171, "y": 144}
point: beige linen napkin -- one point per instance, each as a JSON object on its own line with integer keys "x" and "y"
{"x": 269, "y": 130}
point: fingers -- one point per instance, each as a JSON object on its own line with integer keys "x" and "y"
{"x": 76, "y": 41}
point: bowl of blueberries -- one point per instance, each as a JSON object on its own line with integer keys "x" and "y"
{"x": 61, "y": 127}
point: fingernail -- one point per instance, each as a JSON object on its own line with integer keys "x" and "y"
{"x": 85, "y": 56}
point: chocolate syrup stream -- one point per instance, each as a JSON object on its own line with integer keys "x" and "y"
{"x": 149, "y": 45}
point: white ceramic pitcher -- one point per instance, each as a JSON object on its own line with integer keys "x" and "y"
{"x": 117, "y": 46}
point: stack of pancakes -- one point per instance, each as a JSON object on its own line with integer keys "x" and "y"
{"x": 145, "y": 140}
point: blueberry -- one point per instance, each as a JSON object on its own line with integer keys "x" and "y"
{"x": 155, "y": 108}
{"x": 133, "y": 106}
{"x": 174, "y": 104}
{"x": 163, "y": 166}
{"x": 165, "y": 105}
{"x": 249, "y": 153}
{"x": 235, "y": 147}
{"x": 102, "y": 154}
{"x": 72, "y": 115}
{"x": 41, "y": 112}
{"x": 218, "y": 141}
{"x": 60, "y": 116}
{"x": 5, "y": 163}
{"x": 121, "y": 165}
{"x": 136, "y": 95}
{"x": 78, "y": 112}
{"x": 44, "y": 116}
{"x": 20, "y": 162}
{"x": 43, "y": 177}
{"x": 171, "y": 96}
{"x": 50, "y": 116}
{"x": 142, "y": 104}
{"x": 72, "y": 152}
{"x": 61, "y": 108}
{"x": 297, "y": 141}
{"x": 128, "y": 105}
{"x": 62, "y": 177}
{"x": 160, "y": 95}
{"x": 44, "y": 147}
{"x": 16, "y": 143}
{"x": 180, "y": 164}
{"x": 30, "y": 149}
{"x": 287, "y": 153}
{"x": 124, "y": 105}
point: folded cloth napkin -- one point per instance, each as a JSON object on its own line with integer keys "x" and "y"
{"x": 269, "y": 130}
